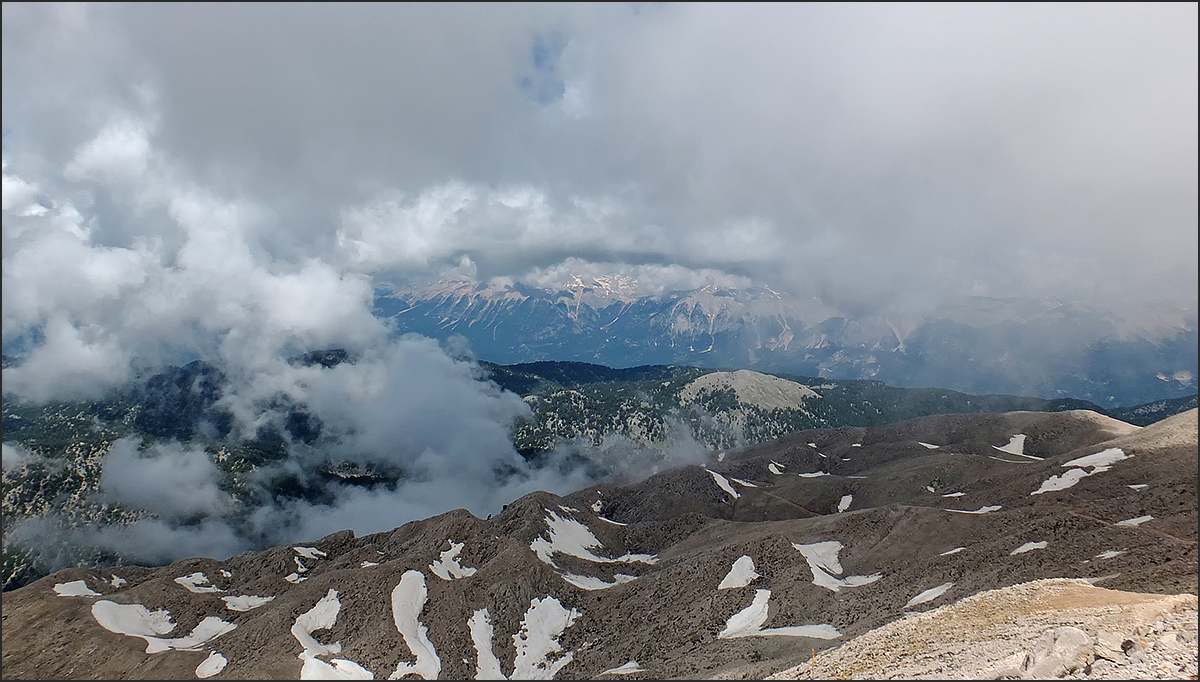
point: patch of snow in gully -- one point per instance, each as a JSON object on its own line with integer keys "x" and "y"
{"x": 775, "y": 468}
{"x": 844, "y": 503}
{"x": 749, "y": 623}
{"x": 740, "y": 575}
{"x": 544, "y": 623}
{"x": 245, "y": 602}
{"x": 322, "y": 616}
{"x": 487, "y": 666}
{"x": 822, "y": 558}
{"x": 1136, "y": 521}
{"x": 408, "y": 599}
{"x": 447, "y": 567}
{"x": 929, "y": 595}
{"x": 722, "y": 483}
{"x": 212, "y": 665}
{"x": 625, "y": 669}
{"x": 570, "y": 537}
{"x": 1016, "y": 446}
{"x": 198, "y": 583}
{"x": 309, "y": 552}
{"x": 981, "y": 510}
{"x": 135, "y": 620}
{"x": 1028, "y": 547}
{"x": 75, "y": 588}
{"x": 589, "y": 583}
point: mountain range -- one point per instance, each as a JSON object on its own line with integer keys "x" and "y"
{"x": 1044, "y": 347}
{"x": 739, "y": 566}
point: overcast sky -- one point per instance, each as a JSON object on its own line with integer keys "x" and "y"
{"x": 230, "y": 181}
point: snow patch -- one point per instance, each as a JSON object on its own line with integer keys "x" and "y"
{"x": 245, "y": 602}
{"x": 1135, "y": 521}
{"x": 749, "y": 623}
{"x": 743, "y": 483}
{"x": 544, "y": 623}
{"x": 447, "y": 567}
{"x": 822, "y": 558}
{"x": 487, "y": 666}
{"x": 813, "y": 474}
{"x": 930, "y": 446}
{"x": 75, "y": 588}
{"x": 136, "y": 620}
{"x": 948, "y": 552}
{"x": 631, "y": 666}
{"x": 615, "y": 523}
{"x": 309, "y": 552}
{"x": 981, "y": 510}
{"x": 1016, "y": 446}
{"x": 740, "y": 575}
{"x": 1101, "y": 461}
{"x": 198, "y": 583}
{"x": 1028, "y": 547}
{"x": 929, "y": 595}
{"x": 1109, "y": 554}
{"x": 1138, "y": 486}
{"x": 570, "y": 537}
{"x": 117, "y": 581}
{"x": 844, "y": 503}
{"x": 408, "y": 599}
{"x": 775, "y": 468}
{"x": 368, "y": 564}
{"x": 597, "y": 506}
{"x": 953, "y": 494}
{"x": 322, "y": 616}
{"x": 590, "y": 583}
{"x": 722, "y": 483}
{"x": 210, "y": 666}
{"x": 294, "y": 578}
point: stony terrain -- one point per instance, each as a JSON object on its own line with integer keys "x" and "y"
{"x": 1036, "y": 630}
{"x": 741, "y": 567}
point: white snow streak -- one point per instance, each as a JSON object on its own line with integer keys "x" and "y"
{"x": 822, "y": 558}
{"x": 813, "y": 474}
{"x": 743, "y": 483}
{"x": 136, "y": 620}
{"x": 1109, "y": 554}
{"x": 931, "y": 446}
{"x": 1138, "y": 486}
{"x": 487, "y": 666}
{"x": 1028, "y": 547}
{"x": 589, "y": 583}
{"x": 948, "y": 552}
{"x": 543, "y": 624}
{"x": 749, "y": 623}
{"x": 210, "y": 666}
{"x": 245, "y": 602}
{"x": 75, "y": 588}
{"x": 368, "y": 564}
{"x": 1101, "y": 461}
{"x": 408, "y": 599}
{"x": 1016, "y": 446}
{"x": 631, "y": 666}
{"x": 447, "y": 567}
{"x": 198, "y": 583}
{"x": 740, "y": 575}
{"x": 723, "y": 484}
{"x": 309, "y": 552}
{"x": 322, "y": 616}
{"x": 929, "y": 595}
{"x": 981, "y": 510}
{"x": 1136, "y": 521}
{"x": 570, "y": 537}
{"x": 775, "y": 468}
{"x": 953, "y": 494}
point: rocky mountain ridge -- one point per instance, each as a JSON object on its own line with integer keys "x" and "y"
{"x": 736, "y": 567}
{"x": 1045, "y": 348}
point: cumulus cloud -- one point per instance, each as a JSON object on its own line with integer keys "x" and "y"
{"x": 169, "y": 480}
{"x": 229, "y": 182}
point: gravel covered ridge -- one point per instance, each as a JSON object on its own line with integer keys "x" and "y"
{"x": 1055, "y": 628}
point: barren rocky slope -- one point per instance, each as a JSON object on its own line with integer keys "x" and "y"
{"x": 740, "y": 567}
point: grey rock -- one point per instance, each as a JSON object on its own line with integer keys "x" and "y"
{"x": 1059, "y": 652}
{"x": 1108, "y": 646}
